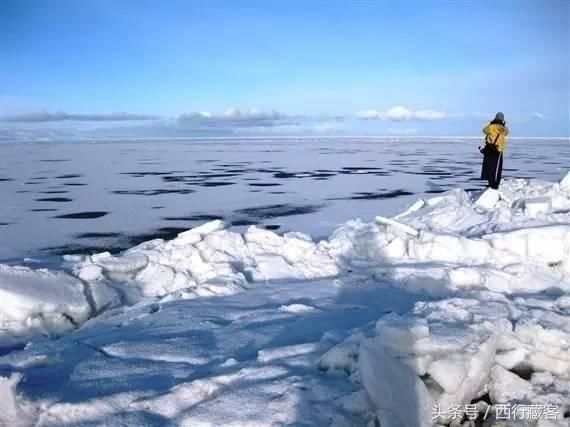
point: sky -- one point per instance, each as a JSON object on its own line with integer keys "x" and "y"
{"x": 235, "y": 68}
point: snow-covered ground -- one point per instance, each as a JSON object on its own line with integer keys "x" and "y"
{"x": 456, "y": 308}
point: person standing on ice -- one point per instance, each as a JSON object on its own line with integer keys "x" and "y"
{"x": 495, "y": 138}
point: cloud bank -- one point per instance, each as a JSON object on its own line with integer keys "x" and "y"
{"x": 235, "y": 118}
{"x": 398, "y": 120}
{"x": 60, "y": 116}
{"x": 399, "y": 114}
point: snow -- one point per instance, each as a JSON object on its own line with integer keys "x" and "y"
{"x": 454, "y": 299}
{"x": 12, "y": 412}
{"x": 39, "y": 303}
{"x": 296, "y": 308}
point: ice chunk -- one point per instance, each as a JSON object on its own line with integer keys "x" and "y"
{"x": 12, "y": 412}
{"x": 401, "y": 334}
{"x": 479, "y": 367}
{"x": 565, "y": 182}
{"x": 90, "y": 272}
{"x": 342, "y": 356}
{"x": 414, "y": 207}
{"x": 400, "y": 398}
{"x": 397, "y": 225}
{"x": 510, "y": 359}
{"x": 123, "y": 264}
{"x": 538, "y": 205}
{"x": 103, "y": 297}
{"x": 448, "y": 372}
{"x": 507, "y": 387}
{"x": 196, "y": 234}
{"x": 489, "y": 199}
{"x": 296, "y": 308}
{"x": 40, "y": 302}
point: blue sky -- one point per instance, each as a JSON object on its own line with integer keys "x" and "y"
{"x": 299, "y": 67}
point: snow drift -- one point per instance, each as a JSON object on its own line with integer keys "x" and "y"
{"x": 495, "y": 272}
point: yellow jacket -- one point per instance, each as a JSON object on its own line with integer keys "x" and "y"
{"x": 496, "y": 134}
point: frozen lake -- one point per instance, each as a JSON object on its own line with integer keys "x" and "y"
{"x": 89, "y": 197}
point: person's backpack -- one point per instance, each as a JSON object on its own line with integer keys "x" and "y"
{"x": 491, "y": 146}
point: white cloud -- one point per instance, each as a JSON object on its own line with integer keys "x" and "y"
{"x": 59, "y": 116}
{"x": 234, "y": 118}
{"x": 399, "y": 113}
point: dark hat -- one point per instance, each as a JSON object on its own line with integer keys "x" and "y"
{"x": 500, "y": 116}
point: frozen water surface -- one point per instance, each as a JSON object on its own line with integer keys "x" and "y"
{"x": 90, "y": 197}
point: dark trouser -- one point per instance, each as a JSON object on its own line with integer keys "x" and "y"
{"x": 492, "y": 168}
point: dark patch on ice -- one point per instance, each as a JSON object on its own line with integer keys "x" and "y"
{"x": 485, "y": 398}
{"x": 215, "y": 184}
{"x": 153, "y": 192}
{"x": 197, "y": 217}
{"x": 142, "y": 174}
{"x": 55, "y": 199}
{"x": 437, "y": 173}
{"x": 154, "y": 308}
{"x": 43, "y": 210}
{"x": 198, "y": 178}
{"x": 74, "y": 184}
{"x": 6, "y": 179}
{"x": 376, "y": 196}
{"x": 272, "y": 226}
{"x": 323, "y": 175}
{"x": 218, "y": 321}
{"x": 285, "y": 175}
{"x": 53, "y": 160}
{"x": 264, "y": 184}
{"x": 96, "y": 235}
{"x": 54, "y": 192}
{"x": 524, "y": 372}
{"x": 83, "y": 215}
{"x": 157, "y": 207}
{"x": 5, "y": 223}
{"x": 69, "y": 176}
{"x": 166, "y": 233}
{"x": 278, "y": 210}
